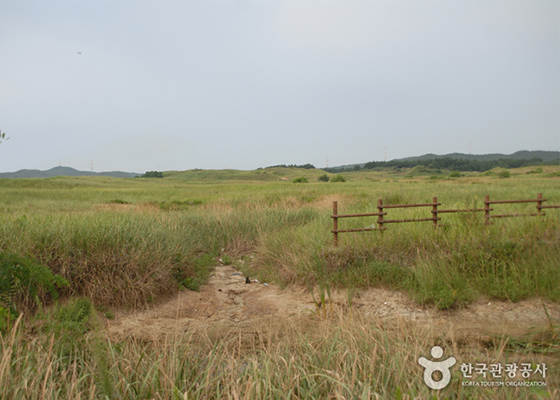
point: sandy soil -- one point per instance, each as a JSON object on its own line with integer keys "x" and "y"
{"x": 229, "y": 302}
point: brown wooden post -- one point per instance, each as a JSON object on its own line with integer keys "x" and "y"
{"x": 434, "y": 211}
{"x": 335, "y": 223}
{"x": 539, "y": 204}
{"x": 487, "y": 209}
{"x": 380, "y": 216}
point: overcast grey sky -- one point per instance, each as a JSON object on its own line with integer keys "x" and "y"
{"x": 139, "y": 85}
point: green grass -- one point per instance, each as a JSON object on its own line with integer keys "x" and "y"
{"x": 307, "y": 359}
{"x": 128, "y": 242}
{"x": 132, "y": 242}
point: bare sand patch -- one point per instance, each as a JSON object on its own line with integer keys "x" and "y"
{"x": 228, "y": 303}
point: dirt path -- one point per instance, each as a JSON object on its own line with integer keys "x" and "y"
{"x": 230, "y": 303}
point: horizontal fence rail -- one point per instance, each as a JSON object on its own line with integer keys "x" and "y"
{"x": 381, "y": 221}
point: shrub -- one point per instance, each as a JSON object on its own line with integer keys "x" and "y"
{"x": 338, "y": 178}
{"x": 323, "y": 178}
{"x": 301, "y": 179}
{"x": 455, "y": 174}
{"x": 504, "y": 174}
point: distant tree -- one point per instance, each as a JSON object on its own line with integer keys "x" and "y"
{"x": 3, "y": 136}
{"x": 451, "y": 164}
{"x": 304, "y": 166}
{"x": 152, "y": 174}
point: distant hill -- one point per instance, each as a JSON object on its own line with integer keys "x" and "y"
{"x": 545, "y": 156}
{"x": 63, "y": 171}
{"x": 267, "y": 174}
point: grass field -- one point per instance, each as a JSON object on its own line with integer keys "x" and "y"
{"x": 128, "y": 243}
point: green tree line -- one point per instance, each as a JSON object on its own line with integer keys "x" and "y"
{"x": 450, "y": 164}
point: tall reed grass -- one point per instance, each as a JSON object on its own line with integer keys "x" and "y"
{"x": 449, "y": 266}
{"x": 341, "y": 357}
{"x": 119, "y": 245}
{"x": 119, "y": 242}
{"x": 131, "y": 258}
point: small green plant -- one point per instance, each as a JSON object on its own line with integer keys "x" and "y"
{"x": 69, "y": 323}
{"x": 227, "y": 260}
{"x": 324, "y": 298}
{"x": 455, "y": 174}
{"x": 338, "y": 178}
{"x": 301, "y": 179}
{"x": 195, "y": 275}
{"x": 323, "y": 178}
{"x": 6, "y": 319}
{"x": 73, "y": 316}
{"x": 350, "y": 294}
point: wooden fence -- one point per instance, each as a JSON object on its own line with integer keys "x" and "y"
{"x": 435, "y": 211}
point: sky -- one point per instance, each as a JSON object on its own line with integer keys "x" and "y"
{"x": 140, "y": 85}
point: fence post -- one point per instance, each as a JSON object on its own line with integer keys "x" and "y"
{"x": 380, "y": 216}
{"x": 335, "y": 223}
{"x": 434, "y": 211}
{"x": 539, "y": 204}
{"x": 487, "y": 209}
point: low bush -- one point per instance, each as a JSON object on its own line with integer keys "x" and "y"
{"x": 338, "y": 178}
{"x": 504, "y": 174}
{"x": 301, "y": 179}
